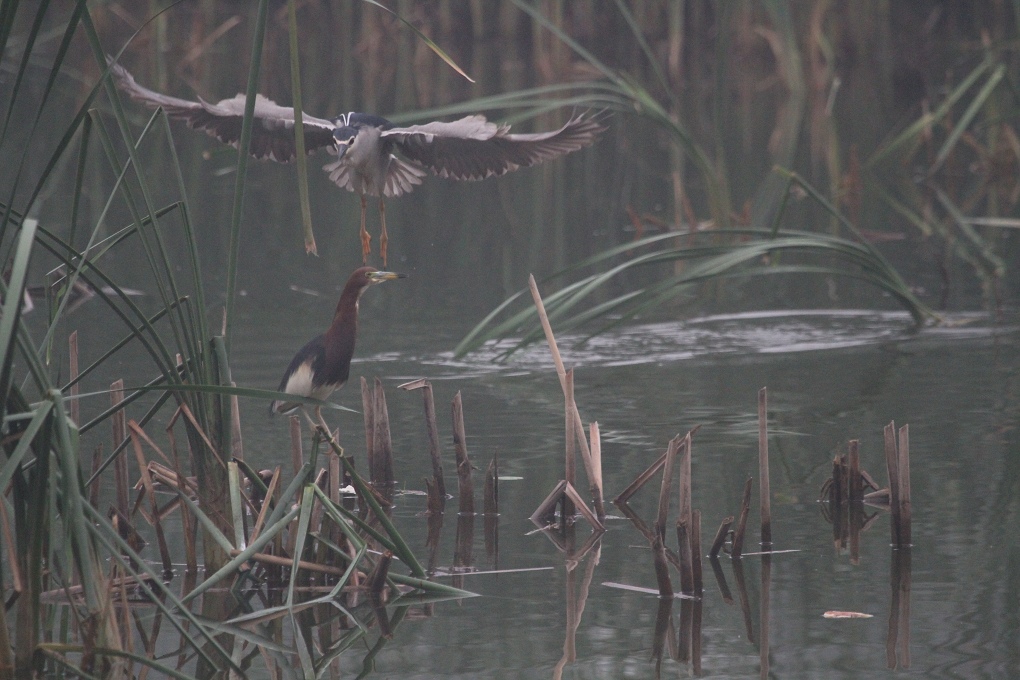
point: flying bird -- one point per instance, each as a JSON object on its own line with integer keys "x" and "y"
{"x": 374, "y": 156}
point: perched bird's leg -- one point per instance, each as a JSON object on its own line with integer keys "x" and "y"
{"x": 383, "y": 238}
{"x": 366, "y": 239}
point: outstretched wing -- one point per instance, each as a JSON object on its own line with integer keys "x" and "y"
{"x": 473, "y": 148}
{"x": 272, "y": 133}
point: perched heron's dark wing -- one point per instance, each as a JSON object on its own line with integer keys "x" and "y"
{"x": 272, "y": 133}
{"x": 473, "y": 148}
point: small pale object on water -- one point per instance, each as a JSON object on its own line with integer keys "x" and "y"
{"x": 833, "y": 614}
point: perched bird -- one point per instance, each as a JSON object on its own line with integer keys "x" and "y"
{"x": 324, "y": 363}
{"x": 471, "y": 148}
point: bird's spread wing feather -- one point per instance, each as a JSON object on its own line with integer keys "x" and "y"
{"x": 474, "y": 148}
{"x": 272, "y": 134}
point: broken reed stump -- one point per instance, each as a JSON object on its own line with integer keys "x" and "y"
{"x": 683, "y": 538}
{"x": 435, "y": 488}
{"x": 897, "y": 460}
{"x": 839, "y": 482}
{"x": 856, "y": 489}
{"x": 720, "y": 537}
{"x": 764, "y": 490}
{"x": 664, "y": 487}
{"x": 465, "y": 486}
{"x": 738, "y": 533}
{"x": 596, "y": 463}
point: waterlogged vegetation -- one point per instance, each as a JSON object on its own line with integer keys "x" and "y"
{"x": 249, "y": 571}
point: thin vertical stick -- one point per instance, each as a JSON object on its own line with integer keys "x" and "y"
{"x": 837, "y": 496}
{"x": 664, "y": 488}
{"x": 903, "y": 465}
{"x": 120, "y": 466}
{"x": 571, "y": 447}
{"x": 856, "y": 482}
{"x": 72, "y": 347}
{"x": 296, "y": 455}
{"x": 596, "y": 464}
{"x": 763, "y": 470}
{"x": 738, "y": 533}
{"x": 466, "y": 488}
{"x": 892, "y": 468}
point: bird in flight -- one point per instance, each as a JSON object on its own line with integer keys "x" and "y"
{"x": 374, "y": 156}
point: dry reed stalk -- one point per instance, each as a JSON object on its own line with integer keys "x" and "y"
{"x": 561, "y": 372}
{"x": 661, "y": 568}
{"x": 764, "y": 490}
{"x": 280, "y": 561}
{"x": 368, "y": 409}
{"x": 683, "y": 537}
{"x": 720, "y": 537}
{"x": 466, "y": 498}
{"x": 271, "y": 490}
{"x": 684, "y": 502}
{"x": 856, "y": 481}
{"x": 377, "y": 577}
{"x": 143, "y": 468}
{"x": 836, "y": 494}
{"x": 596, "y": 464}
{"x": 491, "y": 501}
{"x": 72, "y": 349}
{"x": 571, "y": 441}
{"x": 720, "y": 580}
{"x": 641, "y": 479}
{"x": 903, "y": 464}
{"x": 382, "y": 445}
{"x": 892, "y": 464}
{"x": 583, "y": 509}
{"x": 119, "y": 424}
{"x": 546, "y": 510}
{"x": 738, "y": 533}
{"x": 664, "y": 487}
{"x": 696, "y": 551}
{"x": 432, "y": 431}
{"x": 434, "y": 502}
{"x": 297, "y": 458}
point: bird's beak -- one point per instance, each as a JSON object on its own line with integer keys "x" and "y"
{"x": 379, "y": 277}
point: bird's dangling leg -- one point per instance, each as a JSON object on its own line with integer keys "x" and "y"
{"x": 383, "y": 238}
{"x": 366, "y": 239}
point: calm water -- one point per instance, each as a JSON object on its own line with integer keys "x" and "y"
{"x": 832, "y": 376}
